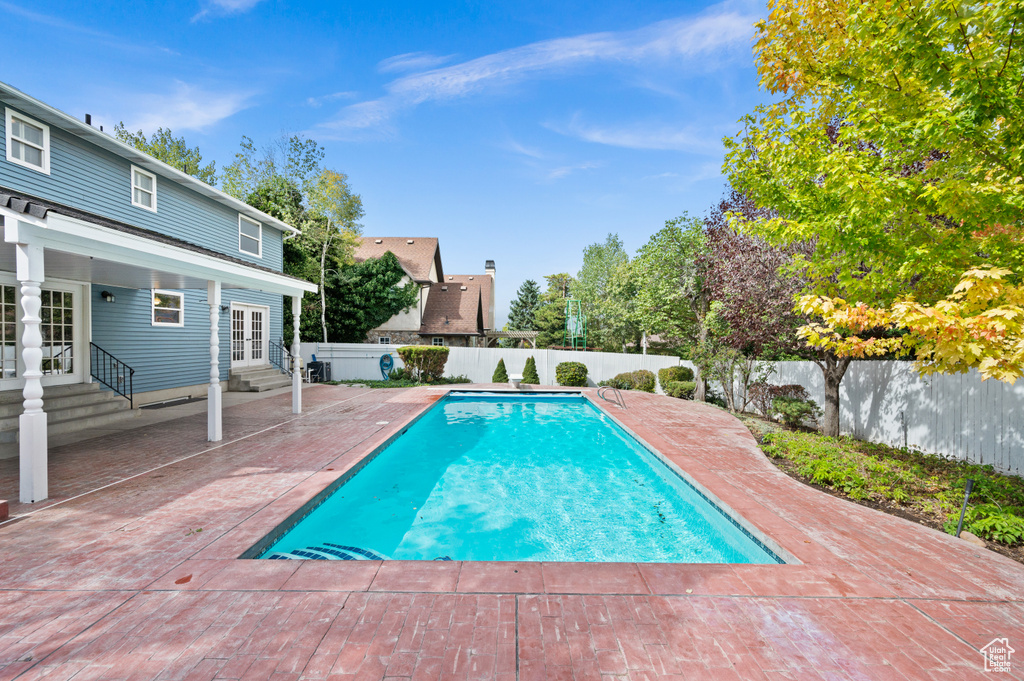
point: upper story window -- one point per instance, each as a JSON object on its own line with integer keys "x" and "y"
{"x": 143, "y": 189}
{"x": 28, "y": 142}
{"x": 168, "y": 308}
{"x": 250, "y": 236}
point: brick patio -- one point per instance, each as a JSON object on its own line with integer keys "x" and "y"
{"x": 140, "y": 579}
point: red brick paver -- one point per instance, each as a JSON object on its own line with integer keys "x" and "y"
{"x": 141, "y": 580}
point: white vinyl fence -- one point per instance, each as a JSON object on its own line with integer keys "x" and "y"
{"x": 959, "y": 416}
{"x": 357, "y": 360}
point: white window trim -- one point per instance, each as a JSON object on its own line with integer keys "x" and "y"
{"x": 152, "y": 307}
{"x": 433, "y": 341}
{"x": 384, "y": 340}
{"x": 10, "y": 113}
{"x": 259, "y": 244}
{"x": 140, "y": 171}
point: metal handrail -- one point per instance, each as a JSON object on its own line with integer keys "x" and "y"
{"x": 281, "y": 357}
{"x": 112, "y": 372}
{"x": 618, "y": 395}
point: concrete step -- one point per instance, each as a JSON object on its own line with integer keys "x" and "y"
{"x": 270, "y": 383}
{"x": 74, "y": 418}
{"x": 52, "y": 403}
{"x": 52, "y": 392}
{"x": 257, "y": 379}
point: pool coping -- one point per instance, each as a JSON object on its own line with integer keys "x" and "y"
{"x": 775, "y": 550}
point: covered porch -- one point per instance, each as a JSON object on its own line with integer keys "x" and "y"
{"x": 51, "y": 253}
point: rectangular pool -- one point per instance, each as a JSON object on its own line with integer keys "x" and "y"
{"x": 493, "y": 476}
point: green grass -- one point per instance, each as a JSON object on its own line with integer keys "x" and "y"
{"x": 925, "y": 484}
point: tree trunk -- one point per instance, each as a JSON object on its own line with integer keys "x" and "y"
{"x": 833, "y": 368}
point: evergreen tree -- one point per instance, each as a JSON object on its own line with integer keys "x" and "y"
{"x": 500, "y": 375}
{"x": 549, "y": 320}
{"x": 524, "y": 307}
{"x": 530, "y": 376}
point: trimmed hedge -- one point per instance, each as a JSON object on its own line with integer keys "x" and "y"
{"x": 674, "y": 375}
{"x": 682, "y": 389}
{"x": 425, "y": 361}
{"x": 633, "y": 380}
{"x": 571, "y": 373}
{"x": 530, "y": 376}
{"x": 500, "y": 375}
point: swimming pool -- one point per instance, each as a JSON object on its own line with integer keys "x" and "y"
{"x": 491, "y": 476}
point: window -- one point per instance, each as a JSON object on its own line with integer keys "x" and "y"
{"x": 143, "y": 189}
{"x": 168, "y": 308}
{"x": 384, "y": 340}
{"x": 28, "y": 142}
{"x": 250, "y": 236}
{"x": 438, "y": 340}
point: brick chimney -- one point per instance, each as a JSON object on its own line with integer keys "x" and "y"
{"x": 489, "y": 314}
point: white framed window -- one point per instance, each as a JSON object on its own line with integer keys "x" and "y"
{"x": 168, "y": 308}
{"x": 28, "y": 142}
{"x": 438, "y": 340}
{"x": 143, "y": 189}
{"x": 250, "y": 236}
{"x": 384, "y": 340}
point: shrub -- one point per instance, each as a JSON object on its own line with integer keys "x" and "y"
{"x": 500, "y": 375}
{"x": 793, "y": 410}
{"x": 682, "y": 389}
{"x": 763, "y": 394}
{"x": 426, "y": 362}
{"x": 530, "y": 376}
{"x": 399, "y": 374}
{"x": 674, "y": 375}
{"x": 571, "y": 373}
{"x": 633, "y": 380}
{"x": 989, "y": 521}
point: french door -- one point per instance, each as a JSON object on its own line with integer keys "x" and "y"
{"x": 249, "y": 340}
{"x": 62, "y": 331}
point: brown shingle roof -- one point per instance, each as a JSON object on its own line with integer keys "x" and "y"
{"x": 415, "y": 258}
{"x": 459, "y": 308}
{"x": 481, "y": 280}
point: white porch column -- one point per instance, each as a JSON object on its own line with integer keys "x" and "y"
{"x": 214, "y": 406}
{"x": 296, "y": 358}
{"x": 32, "y": 423}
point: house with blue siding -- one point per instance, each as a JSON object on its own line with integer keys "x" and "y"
{"x": 124, "y": 281}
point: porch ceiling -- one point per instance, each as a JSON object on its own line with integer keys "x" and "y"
{"x": 63, "y": 265}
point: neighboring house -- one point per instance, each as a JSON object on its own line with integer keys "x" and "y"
{"x": 117, "y": 268}
{"x": 451, "y": 310}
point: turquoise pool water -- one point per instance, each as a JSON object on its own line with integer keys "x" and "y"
{"x": 514, "y": 477}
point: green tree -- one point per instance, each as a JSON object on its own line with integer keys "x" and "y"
{"x": 173, "y": 151}
{"x": 500, "y": 375}
{"x": 549, "y": 320}
{"x": 673, "y": 298}
{"x": 524, "y": 307}
{"x": 362, "y": 296}
{"x": 894, "y": 147}
{"x": 594, "y": 287}
{"x": 294, "y": 158}
{"x": 530, "y": 376}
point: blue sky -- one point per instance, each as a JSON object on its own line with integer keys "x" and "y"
{"x": 514, "y": 131}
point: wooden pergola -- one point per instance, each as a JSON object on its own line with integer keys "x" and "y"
{"x": 494, "y": 336}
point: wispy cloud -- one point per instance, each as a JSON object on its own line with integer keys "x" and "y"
{"x": 224, "y": 7}
{"x": 518, "y": 148}
{"x": 186, "y": 107}
{"x": 107, "y": 39}
{"x": 675, "y": 40}
{"x": 644, "y": 136}
{"x": 411, "y": 61}
{"x": 563, "y": 171}
{"x": 317, "y": 102}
